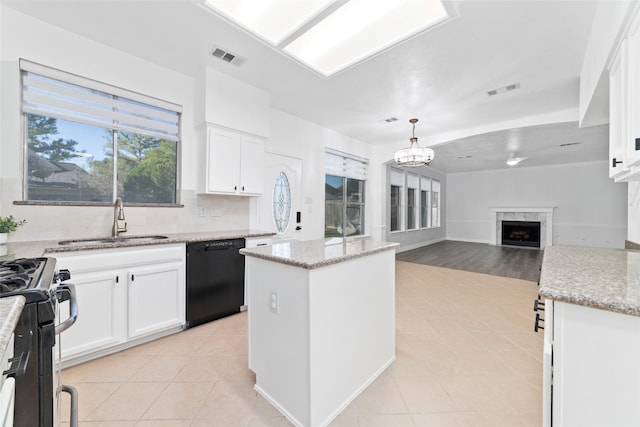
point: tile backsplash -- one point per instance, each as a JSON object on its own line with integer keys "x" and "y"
{"x": 199, "y": 213}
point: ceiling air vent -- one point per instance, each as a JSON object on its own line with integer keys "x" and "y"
{"x": 504, "y": 89}
{"x": 226, "y": 56}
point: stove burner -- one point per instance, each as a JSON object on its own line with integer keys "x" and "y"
{"x": 17, "y": 274}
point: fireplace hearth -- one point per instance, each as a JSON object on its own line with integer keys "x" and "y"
{"x": 521, "y": 233}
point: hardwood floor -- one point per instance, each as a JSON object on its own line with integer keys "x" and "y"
{"x": 504, "y": 261}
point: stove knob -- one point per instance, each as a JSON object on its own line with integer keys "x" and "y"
{"x": 63, "y": 275}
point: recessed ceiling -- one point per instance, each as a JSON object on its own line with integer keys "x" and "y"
{"x": 441, "y": 76}
{"x": 542, "y": 145}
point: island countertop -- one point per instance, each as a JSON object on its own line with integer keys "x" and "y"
{"x": 318, "y": 253}
{"x": 607, "y": 279}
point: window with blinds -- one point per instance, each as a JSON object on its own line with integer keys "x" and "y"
{"x": 396, "y": 177}
{"x": 415, "y": 195}
{"x": 345, "y": 178}
{"x": 88, "y": 141}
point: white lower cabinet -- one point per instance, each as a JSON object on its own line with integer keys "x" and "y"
{"x": 125, "y": 297}
{"x": 161, "y": 285}
{"x": 592, "y": 373}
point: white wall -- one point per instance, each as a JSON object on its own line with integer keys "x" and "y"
{"x": 295, "y": 137}
{"x": 590, "y": 208}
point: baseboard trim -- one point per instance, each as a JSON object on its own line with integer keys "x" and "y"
{"x": 418, "y": 245}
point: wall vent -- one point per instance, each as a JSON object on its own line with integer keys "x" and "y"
{"x": 504, "y": 89}
{"x": 226, "y": 56}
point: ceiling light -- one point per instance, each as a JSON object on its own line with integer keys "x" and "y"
{"x": 360, "y": 29}
{"x": 271, "y": 20}
{"x": 512, "y": 161}
{"x": 329, "y": 36}
{"x": 414, "y": 155}
{"x": 504, "y": 89}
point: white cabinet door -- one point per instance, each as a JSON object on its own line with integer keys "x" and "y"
{"x": 222, "y": 161}
{"x": 632, "y": 142}
{"x": 251, "y": 166}
{"x": 156, "y": 298}
{"x": 234, "y": 163}
{"x": 125, "y": 297}
{"x": 596, "y": 369}
{"x": 101, "y": 313}
{"x": 618, "y": 113}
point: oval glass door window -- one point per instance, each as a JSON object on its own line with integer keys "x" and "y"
{"x": 281, "y": 201}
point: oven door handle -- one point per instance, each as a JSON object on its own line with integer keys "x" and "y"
{"x": 67, "y": 292}
{"x": 73, "y": 413}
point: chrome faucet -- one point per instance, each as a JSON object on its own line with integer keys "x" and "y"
{"x": 118, "y": 218}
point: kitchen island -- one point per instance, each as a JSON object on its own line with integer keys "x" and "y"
{"x": 321, "y": 323}
{"x": 591, "y": 358}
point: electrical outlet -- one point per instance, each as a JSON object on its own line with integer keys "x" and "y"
{"x": 273, "y": 302}
{"x": 203, "y": 212}
{"x": 216, "y": 212}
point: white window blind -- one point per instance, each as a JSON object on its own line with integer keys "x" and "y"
{"x": 425, "y": 183}
{"x": 435, "y": 186}
{"x": 341, "y": 164}
{"x": 412, "y": 180}
{"x": 53, "y": 93}
{"x": 396, "y": 177}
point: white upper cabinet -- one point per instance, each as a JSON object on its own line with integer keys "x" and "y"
{"x": 624, "y": 105}
{"x": 233, "y": 163}
{"x": 632, "y": 144}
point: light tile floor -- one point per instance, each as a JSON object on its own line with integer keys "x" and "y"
{"x": 466, "y": 356}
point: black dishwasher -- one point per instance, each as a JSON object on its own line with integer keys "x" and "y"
{"x": 215, "y": 280}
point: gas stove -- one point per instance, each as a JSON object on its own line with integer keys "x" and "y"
{"x": 31, "y": 277}
{"x": 37, "y": 369}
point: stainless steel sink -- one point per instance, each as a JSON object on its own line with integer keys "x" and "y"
{"x": 109, "y": 240}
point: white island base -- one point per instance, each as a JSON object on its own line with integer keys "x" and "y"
{"x": 319, "y": 336}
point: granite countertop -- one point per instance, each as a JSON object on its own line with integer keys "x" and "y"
{"x": 10, "y": 310}
{"x": 51, "y": 247}
{"x": 607, "y": 279}
{"x": 318, "y": 253}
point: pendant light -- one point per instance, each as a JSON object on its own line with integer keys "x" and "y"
{"x": 414, "y": 155}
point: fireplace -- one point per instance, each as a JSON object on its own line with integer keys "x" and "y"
{"x": 521, "y": 233}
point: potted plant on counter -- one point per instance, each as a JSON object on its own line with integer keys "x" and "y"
{"x": 8, "y": 224}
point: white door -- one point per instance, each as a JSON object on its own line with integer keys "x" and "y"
{"x": 283, "y": 180}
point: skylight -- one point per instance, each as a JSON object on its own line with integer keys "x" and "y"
{"x": 330, "y": 36}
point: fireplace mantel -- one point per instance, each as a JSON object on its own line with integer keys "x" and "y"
{"x": 542, "y": 214}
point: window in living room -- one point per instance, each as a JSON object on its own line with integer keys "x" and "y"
{"x": 412, "y": 197}
{"x": 425, "y": 191}
{"x": 414, "y": 201}
{"x": 344, "y": 195}
{"x": 435, "y": 203}
{"x": 396, "y": 178}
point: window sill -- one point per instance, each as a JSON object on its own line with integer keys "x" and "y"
{"x": 93, "y": 204}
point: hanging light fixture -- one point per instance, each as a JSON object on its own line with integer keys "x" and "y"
{"x": 414, "y": 155}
